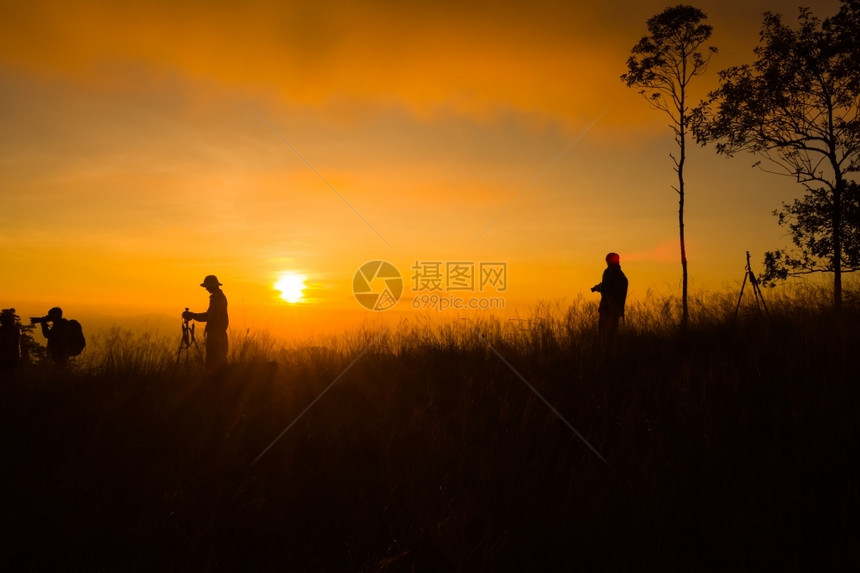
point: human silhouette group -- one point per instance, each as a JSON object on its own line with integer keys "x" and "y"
{"x": 61, "y": 333}
{"x": 65, "y": 337}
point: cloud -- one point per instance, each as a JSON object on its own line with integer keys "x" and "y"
{"x": 477, "y": 59}
{"x": 481, "y": 59}
{"x": 665, "y": 252}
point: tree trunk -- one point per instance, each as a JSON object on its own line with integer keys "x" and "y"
{"x": 836, "y": 221}
{"x": 685, "y": 313}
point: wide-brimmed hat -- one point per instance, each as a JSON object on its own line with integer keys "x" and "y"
{"x": 210, "y": 280}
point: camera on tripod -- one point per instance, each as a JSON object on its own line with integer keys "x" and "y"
{"x": 188, "y": 339}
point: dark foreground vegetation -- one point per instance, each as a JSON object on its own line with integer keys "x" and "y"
{"x": 731, "y": 448}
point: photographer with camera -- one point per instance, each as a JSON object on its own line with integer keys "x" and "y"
{"x": 216, "y": 323}
{"x": 58, "y": 348}
{"x": 613, "y": 296}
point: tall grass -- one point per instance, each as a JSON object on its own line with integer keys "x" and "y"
{"x": 729, "y": 447}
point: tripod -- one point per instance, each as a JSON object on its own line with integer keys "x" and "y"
{"x": 759, "y": 299}
{"x": 187, "y": 342}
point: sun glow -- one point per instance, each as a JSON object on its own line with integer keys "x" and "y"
{"x": 292, "y": 286}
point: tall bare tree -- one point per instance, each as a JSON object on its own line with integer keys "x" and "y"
{"x": 662, "y": 65}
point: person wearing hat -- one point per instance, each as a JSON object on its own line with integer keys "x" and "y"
{"x": 216, "y": 323}
{"x": 613, "y": 296}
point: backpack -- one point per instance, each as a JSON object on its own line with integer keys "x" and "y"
{"x": 75, "y": 341}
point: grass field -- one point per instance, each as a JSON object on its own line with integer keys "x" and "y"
{"x": 731, "y": 447}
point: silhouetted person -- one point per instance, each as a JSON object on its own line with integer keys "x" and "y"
{"x": 216, "y": 323}
{"x": 613, "y": 295}
{"x": 57, "y": 335}
{"x": 10, "y": 341}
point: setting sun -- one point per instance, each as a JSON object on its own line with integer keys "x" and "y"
{"x": 291, "y": 286}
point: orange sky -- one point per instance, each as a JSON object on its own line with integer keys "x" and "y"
{"x": 134, "y": 160}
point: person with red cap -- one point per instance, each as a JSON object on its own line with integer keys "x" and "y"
{"x": 216, "y": 323}
{"x": 613, "y": 296}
